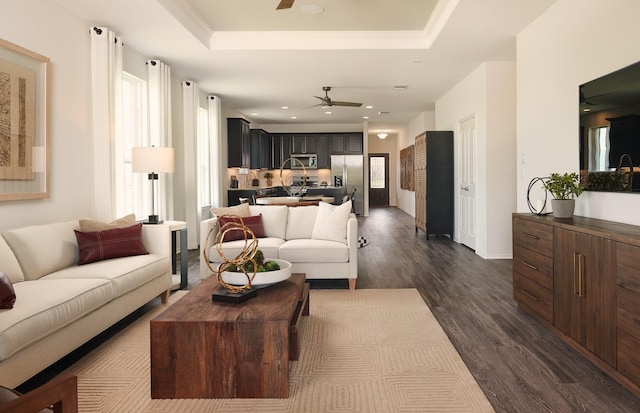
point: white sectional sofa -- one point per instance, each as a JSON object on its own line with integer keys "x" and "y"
{"x": 289, "y": 235}
{"x": 61, "y": 305}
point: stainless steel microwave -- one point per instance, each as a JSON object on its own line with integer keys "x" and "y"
{"x": 309, "y": 160}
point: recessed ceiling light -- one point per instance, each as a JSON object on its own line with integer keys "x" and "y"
{"x": 369, "y": 107}
{"x": 383, "y": 113}
{"x": 311, "y": 9}
{"x": 284, "y": 107}
{"x": 254, "y": 114}
{"x": 294, "y": 117}
{"x": 328, "y": 112}
{"x": 365, "y": 117}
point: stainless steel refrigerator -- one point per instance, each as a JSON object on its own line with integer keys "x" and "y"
{"x": 347, "y": 172}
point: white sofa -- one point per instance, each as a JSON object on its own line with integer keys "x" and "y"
{"x": 289, "y": 233}
{"x": 61, "y": 305}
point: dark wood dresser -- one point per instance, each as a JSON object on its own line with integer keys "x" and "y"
{"x": 580, "y": 277}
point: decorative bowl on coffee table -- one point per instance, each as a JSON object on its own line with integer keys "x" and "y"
{"x": 261, "y": 279}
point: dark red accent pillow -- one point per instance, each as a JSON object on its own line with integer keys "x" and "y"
{"x": 7, "y": 295}
{"x": 110, "y": 243}
{"x": 254, "y": 222}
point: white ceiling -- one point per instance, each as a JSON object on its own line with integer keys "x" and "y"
{"x": 258, "y": 59}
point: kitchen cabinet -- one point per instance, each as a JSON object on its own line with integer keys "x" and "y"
{"x": 281, "y": 150}
{"x": 238, "y": 143}
{"x": 584, "y": 291}
{"x": 260, "y": 149}
{"x": 304, "y": 144}
{"x": 324, "y": 156}
{"x": 593, "y": 301}
{"x": 346, "y": 144}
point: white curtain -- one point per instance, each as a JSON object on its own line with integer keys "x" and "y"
{"x": 218, "y": 179}
{"x": 160, "y": 128}
{"x": 190, "y": 99}
{"x": 106, "y": 92}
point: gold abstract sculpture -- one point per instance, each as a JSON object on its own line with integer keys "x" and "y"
{"x": 286, "y": 182}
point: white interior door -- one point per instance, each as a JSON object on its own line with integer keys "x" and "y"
{"x": 467, "y": 186}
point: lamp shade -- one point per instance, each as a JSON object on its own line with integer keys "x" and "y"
{"x": 152, "y": 159}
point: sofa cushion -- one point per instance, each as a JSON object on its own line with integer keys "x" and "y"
{"x": 46, "y": 306}
{"x": 274, "y": 219}
{"x": 241, "y": 210}
{"x": 54, "y": 245}
{"x": 300, "y": 221}
{"x": 89, "y": 225}
{"x": 331, "y": 222}
{"x": 126, "y": 274}
{"x": 7, "y": 294}
{"x": 253, "y": 222}
{"x": 311, "y": 250}
{"x": 110, "y": 243}
{"x": 9, "y": 263}
{"x": 269, "y": 247}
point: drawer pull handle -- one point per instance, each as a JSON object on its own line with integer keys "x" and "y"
{"x": 527, "y": 293}
{"x": 530, "y": 266}
{"x": 530, "y": 235}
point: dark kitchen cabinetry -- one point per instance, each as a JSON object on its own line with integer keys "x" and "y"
{"x": 346, "y": 144}
{"x": 260, "y": 149}
{"x": 280, "y": 150}
{"x": 238, "y": 143}
{"x": 324, "y": 155}
{"x": 304, "y": 144}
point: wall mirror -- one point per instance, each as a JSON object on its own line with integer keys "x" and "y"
{"x": 610, "y": 131}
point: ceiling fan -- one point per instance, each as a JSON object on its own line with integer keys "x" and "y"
{"x": 285, "y": 4}
{"x": 327, "y": 102}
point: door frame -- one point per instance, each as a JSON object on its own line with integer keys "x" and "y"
{"x": 386, "y": 174}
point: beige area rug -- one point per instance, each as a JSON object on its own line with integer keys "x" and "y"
{"x": 363, "y": 351}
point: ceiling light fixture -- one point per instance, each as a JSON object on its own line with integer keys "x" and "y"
{"x": 383, "y": 135}
{"x": 328, "y": 112}
{"x": 369, "y": 107}
{"x": 312, "y": 9}
{"x": 365, "y": 117}
{"x": 284, "y": 107}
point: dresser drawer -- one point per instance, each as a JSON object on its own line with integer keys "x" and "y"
{"x": 533, "y": 296}
{"x": 534, "y": 266}
{"x": 628, "y": 358}
{"x": 628, "y": 312}
{"x": 533, "y": 236}
{"x": 628, "y": 266}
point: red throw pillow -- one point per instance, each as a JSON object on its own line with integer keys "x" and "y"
{"x": 7, "y": 294}
{"x": 110, "y": 243}
{"x": 254, "y": 222}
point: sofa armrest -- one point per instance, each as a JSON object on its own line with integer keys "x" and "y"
{"x": 61, "y": 392}
{"x": 207, "y": 226}
{"x": 157, "y": 239}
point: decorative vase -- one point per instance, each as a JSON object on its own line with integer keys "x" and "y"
{"x": 563, "y": 208}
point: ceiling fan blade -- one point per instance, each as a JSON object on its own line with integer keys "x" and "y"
{"x": 285, "y": 4}
{"x": 353, "y": 104}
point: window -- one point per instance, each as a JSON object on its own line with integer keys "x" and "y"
{"x": 132, "y": 189}
{"x": 204, "y": 159}
{"x": 598, "y": 148}
{"x": 376, "y": 172}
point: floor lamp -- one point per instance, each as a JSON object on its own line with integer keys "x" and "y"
{"x": 152, "y": 160}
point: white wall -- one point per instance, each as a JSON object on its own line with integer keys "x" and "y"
{"x": 45, "y": 28}
{"x": 406, "y": 200}
{"x": 488, "y": 94}
{"x": 572, "y": 43}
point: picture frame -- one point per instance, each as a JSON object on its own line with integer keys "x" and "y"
{"x": 24, "y": 140}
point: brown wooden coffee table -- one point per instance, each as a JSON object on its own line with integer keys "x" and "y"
{"x": 206, "y": 349}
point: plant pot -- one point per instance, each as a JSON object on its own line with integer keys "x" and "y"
{"x": 563, "y": 208}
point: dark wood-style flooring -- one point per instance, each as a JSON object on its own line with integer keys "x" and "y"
{"x": 520, "y": 366}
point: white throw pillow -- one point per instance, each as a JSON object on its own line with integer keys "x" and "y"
{"x": 331, "y": 222}
{"x": 241, "y": 210}
{"x": 300, "y": 222}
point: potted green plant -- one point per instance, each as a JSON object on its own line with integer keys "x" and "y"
{"x": 564, "y": 189}
{"x": 268, "y": 176}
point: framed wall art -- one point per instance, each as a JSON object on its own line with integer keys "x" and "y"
{"x": 24, "y": 145}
